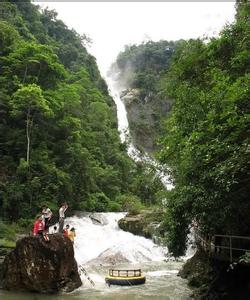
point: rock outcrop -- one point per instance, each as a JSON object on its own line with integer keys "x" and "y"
{"x": 109, "y": 257}
{"x": 146, "y": 223}
{"x": 211, "y": 278}
{"x": 144, "y": 116}
{"x": 39, "y": 266}
{"x": 98, "y": 219}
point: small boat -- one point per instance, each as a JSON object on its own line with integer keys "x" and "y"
{"x": 125, "y": 277}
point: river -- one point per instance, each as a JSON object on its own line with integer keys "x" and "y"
{"x": 100, "y": 246}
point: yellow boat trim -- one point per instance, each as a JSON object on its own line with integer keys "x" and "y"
{"x": 124, "y": 277}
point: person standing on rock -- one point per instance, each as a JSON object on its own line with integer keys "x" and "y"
{"x": 62, "y": 210}
{"x": 66, "y": 231}
{"x": 47, "y": 213}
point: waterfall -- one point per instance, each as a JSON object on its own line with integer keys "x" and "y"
{"x": 99, "y": 241}
{"x": 123, "y": 128}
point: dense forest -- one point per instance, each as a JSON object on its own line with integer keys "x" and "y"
{"x": 205, "y": 139}
{"x": 58, "y": 130}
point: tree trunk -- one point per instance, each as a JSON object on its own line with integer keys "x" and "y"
{"x": 29, "y": 123}
{"x": 25, "y": 73}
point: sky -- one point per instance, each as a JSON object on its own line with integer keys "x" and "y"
{"x": 112, "y": 25}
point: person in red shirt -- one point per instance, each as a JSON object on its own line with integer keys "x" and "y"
{"x": 38, "y": 226}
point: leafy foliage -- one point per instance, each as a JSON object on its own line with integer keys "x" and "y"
{"x": 59, "y": 139}
{"x": 206, "y": 139}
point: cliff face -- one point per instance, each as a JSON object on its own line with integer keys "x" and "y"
{"x": 40, "y": 266}
{"x": 145, "y": 116}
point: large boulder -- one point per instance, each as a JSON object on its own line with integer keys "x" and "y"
{"x": 40, "y": 266}
{"x": 146, "y": 224}
{"x": 109, "y": 257}
{"x": 98, "y": 219}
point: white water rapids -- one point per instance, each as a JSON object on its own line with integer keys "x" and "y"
{"x": 100, "y": 244}
{"x": 96, "y": 243}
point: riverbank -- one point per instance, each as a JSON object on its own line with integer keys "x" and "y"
{"x": 214, "y": 279}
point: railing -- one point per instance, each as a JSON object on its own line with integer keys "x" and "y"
{"x": 125, "y": 273}
{"x": 228, "y": 247}
{"x": 234, "y": 250}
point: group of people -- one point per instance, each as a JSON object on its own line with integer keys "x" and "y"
{"x": 42, "y": 223}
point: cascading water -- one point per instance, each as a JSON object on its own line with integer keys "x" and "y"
{"x": 100, "y": 247}
{"x": 123, "y": 128}
{"x": 100, "y": 244}
{"x": 104, "y": 243}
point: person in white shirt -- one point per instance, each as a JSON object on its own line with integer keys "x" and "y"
{"x": 47, "y": 214}
{"x": 62, "y": 210}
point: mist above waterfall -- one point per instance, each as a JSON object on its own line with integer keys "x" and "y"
{"x": 121, "y": 80}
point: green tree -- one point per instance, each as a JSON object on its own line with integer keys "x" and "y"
{"x": 205, "y": 139}
{"x": 28, "y": 102}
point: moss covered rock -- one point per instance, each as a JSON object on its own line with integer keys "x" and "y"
{"x": 146, "y": 223}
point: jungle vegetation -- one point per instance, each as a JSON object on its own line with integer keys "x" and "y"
{"x": 58, "y": 129}
{"x": 206, "y": 138}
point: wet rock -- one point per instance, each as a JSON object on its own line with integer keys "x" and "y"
{"x": 135, "y": 225}
{"x": 144, "y": 113}
{"x": 130, "y": 95}
{"x": 145, "y": 224}
{"x": 40, "y": 266}
{"x": 109, "y": 257}
{"x": 98, "y": 219}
